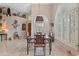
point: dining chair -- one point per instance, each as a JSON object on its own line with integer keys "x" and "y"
{"x": 39, "y": 42}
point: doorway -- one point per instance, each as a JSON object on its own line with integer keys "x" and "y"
{"x": 29, "y": 29}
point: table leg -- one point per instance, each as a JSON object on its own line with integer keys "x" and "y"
{"x": 50, "y": 47}
{"x": 1, "y": 38}
{"x": 6, "y": 37}
{"x": 27, "y": 47}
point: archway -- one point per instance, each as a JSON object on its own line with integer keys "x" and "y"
{"x": 40, "y": 26}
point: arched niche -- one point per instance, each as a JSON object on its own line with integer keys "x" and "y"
{"x": 40, "y": 25}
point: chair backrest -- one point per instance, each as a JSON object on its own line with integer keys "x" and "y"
{"x": 39, "y": 33}
{"x": 39, "y": 39}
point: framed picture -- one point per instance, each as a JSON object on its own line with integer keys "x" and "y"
{"x": 23, "y": 26}
{"x": 0, "y": 10}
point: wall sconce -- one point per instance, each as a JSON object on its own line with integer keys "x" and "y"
{"x": 52, "y": 24}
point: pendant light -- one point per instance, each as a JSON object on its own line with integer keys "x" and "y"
{"x": 39, "y": 18}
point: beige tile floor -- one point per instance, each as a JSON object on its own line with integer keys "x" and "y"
{"x": 19, "y": 48}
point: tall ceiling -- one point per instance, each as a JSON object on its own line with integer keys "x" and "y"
{"x": 18, "y": 7}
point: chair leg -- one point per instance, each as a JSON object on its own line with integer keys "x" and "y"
{"x": 34, "y": 50}
{"x": 44, "y": 50}
{"x": 27, "y": 49}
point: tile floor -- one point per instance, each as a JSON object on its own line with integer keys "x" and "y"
{"x": 19, "y": 48}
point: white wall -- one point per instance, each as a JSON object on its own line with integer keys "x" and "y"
{"x": 11, "y": 30}
{"x": 17, "y": 7}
